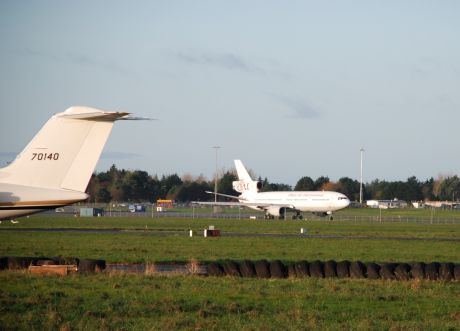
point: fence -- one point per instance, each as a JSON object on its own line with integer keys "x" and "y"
{"x": 245, "y": 214}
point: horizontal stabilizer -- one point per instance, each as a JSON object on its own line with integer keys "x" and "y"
{"x": 244, "y": 204}
{"x": 225, "y": 195}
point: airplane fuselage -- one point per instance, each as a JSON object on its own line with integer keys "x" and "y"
{"x": 304, "y": 201}
{"x": 19, "y": 200}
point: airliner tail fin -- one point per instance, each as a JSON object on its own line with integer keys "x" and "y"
{"x": 245, "y": 182}
{"x": 64, "y": 153}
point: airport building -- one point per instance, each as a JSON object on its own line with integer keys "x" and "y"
{"x": 386, "y": 204}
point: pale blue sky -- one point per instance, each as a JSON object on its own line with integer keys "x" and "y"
{"x": 293, "y": 88}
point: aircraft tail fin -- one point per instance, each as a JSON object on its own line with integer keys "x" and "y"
{"x": 245, "y": 182}
{"x": 242, "y": 172}
{"x": 64, "y": 153}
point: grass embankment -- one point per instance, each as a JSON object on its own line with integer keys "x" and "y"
{"x": 142, "y": 302}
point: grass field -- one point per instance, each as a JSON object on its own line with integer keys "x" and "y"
{"x": 137, "y": 302}
{"x": 146, "y": 303}
{"x": 140, "y": 302}
{"x": 244, "y": 225}
{"x": 144, "y": 247}
{"x": 148, "y": 248}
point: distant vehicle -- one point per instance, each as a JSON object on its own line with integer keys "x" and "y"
{"x": 55, "y": 167}
{"x": 137, "y": 208}
{"x": 276, "y": 203}
{"x": 91, "y": 212}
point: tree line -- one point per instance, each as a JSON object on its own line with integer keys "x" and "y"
{"x": 139, "y": 186}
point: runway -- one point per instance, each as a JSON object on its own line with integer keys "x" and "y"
{"x": 160, "y": 232}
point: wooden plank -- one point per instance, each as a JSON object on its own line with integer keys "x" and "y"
{"x": 62, "y": 270}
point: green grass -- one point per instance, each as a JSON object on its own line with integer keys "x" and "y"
{"x": 148, "y": 248}
{"x": 244, "y": 226}
{"x": 140, "y": 247}
{"x": 141, "y": 302}
{"x": 138, "y": 302}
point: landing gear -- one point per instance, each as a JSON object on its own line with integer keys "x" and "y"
{"x": 269, "y": 217}
{"x": 297, "y": 216}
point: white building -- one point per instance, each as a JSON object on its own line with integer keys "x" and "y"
{"x": 386, "y": 204}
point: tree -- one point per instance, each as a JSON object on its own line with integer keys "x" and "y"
{"x": 168, "y": 185}
{"x": 103, "y": 195}
{"x": 350, "y": 188}
{"x": 413, "y": 189}
{"x": 193, "y": 191}
{"x": 427, "y": 189}
{"x": 449, "y": 188}
{"x": 225, "y": 184}
{"x": 278, "y": 187}
{"x": 305, "y": 184}
{"x": 320, "y": 181}
{"x": 331, "y": 186}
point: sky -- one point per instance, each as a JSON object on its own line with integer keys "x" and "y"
{"x": 292, "y": 88}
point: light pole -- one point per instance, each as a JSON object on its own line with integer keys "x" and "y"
{"x": 216, "y": 148}
{"x": 361, "y": 179}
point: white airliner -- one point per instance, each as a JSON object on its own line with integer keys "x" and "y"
{"x": 276, "y": 203}
{"x": 54, "y": 169}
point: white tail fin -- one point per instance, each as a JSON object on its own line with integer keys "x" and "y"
{"x": 64, "y": 153}
{"x": 245, "y": 182}
{"x": 242, "y": 172}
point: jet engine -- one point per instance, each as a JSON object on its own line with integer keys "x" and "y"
{"x": 275, "y": 211}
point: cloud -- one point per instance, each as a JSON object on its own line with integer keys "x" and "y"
{"x": 223, "y": 60}
{"x": 75, "y": 58}
{"x": 81, "y": 59}
{"x": 297, "y": 107}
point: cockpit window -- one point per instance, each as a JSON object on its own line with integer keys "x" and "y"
{"x": 343, "y": 198}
